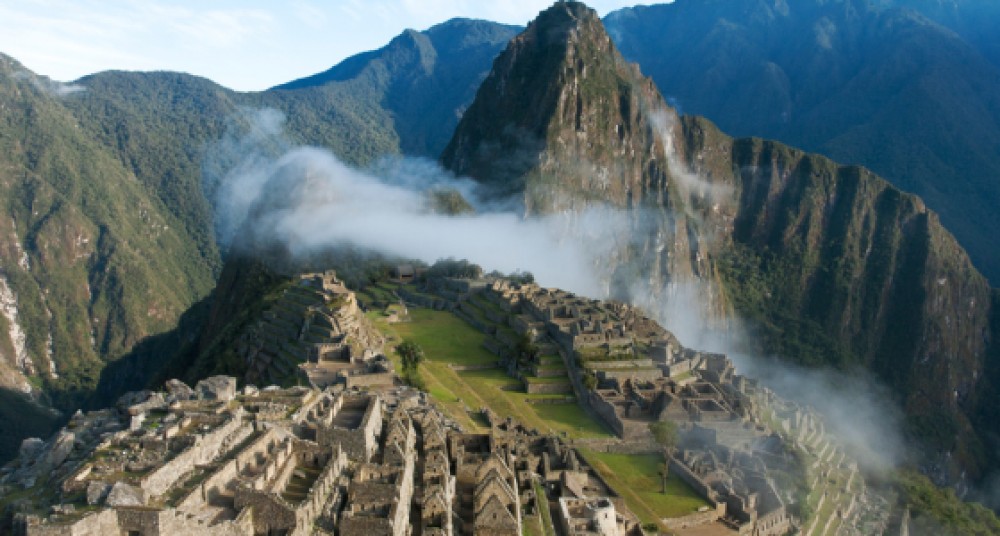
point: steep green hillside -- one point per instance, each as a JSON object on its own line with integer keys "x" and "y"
{"x": 832, "y": 264}
{"x": 859, "y": 81}
{"x": 97, "y": 259}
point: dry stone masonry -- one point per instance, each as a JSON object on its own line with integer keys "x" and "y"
{"x": 363, "y": 455}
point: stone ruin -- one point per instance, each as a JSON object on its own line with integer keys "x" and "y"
{"x": 315, "y": 333}
{"x": 642, "y": 375}
{"x": 299, "y": 461}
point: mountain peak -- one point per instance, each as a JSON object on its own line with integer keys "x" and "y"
{"x": 559, "y": 22}
{"x": 559, "y": 94}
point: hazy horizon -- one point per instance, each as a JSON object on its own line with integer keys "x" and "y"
{"x": 245, "y": 46}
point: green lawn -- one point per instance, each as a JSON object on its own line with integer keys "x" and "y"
{"x": 447, "y": 339}
{"x": 636, "y": 478}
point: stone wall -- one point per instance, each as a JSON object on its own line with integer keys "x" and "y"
{"x": 377, "y": 379}
{"x": 271, "y": 513}
{"x": 261, "y": 446}
{"x": 607, "y": 412}
{"x": 551, "y": 401}
{"x": 633, "y": 447}
{"x": 96, "y": 524}
{"x": 623, "y": 374}
{"x": 697, "y": 518}
{"x": 495, "y": 347}
{"x": 494, "y": 316}
{"x": 172, "y": 522}
{"x": 547, "y": 388}
{"x": 206, "y": 447}
{"x": 461, "y": 312}
{"x": 359, "y": 443}
{"x": 679, "y": 469}
{"x": 542, "y": 372}
{"x": 623, "y": 364}
{"x": 422, "y": 300}
{"x": 276, "y": 457}
{"x": 678, "y": 368}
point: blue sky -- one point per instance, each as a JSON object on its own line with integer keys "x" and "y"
{"x": 244, "y": 45}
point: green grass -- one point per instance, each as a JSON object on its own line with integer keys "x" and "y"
{"x": 636, "y": 478}
{"x": 447, "y": 339}
{"x": 441, "y": 393}
{"x": 543, "y": 511}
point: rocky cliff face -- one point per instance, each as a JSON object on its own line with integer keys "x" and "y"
{"x": 871, "y": 82}
{"x": 839, "y": 267}
{"x": 830, "y": 263}
{"x": 564, "y": 123}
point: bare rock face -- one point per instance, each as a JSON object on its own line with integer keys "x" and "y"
{"x": 38, "y": 459}
{"x": 123, "y": 494}
{"x": 178, "y": 390}
{"x": 132, "y": 398}
{"x": 216, "y": 388}
{"x": 59, "y": 450}
{"x": 97, "y": 492}
{"x": 30, "y": 449}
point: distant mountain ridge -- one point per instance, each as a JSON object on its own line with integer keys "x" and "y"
{"x": 424, "y": 80}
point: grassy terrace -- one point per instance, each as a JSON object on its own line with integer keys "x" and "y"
{"x": 487, "y": 305}
{"x": 380, "y": 293}
{"x": 447, "y": 340}
{"x": 636, "y": 478}
{"x": 551, "y": 361}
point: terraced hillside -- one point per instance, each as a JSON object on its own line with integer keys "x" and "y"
{"x": 315, "y": 315}
{"x": 467, "y": 360}
{"x": 483, "y": 353}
